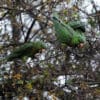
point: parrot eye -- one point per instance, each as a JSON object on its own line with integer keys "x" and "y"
{"x": 55, "y": 18}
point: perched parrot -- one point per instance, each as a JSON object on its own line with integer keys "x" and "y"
{"x": 26, "y": 50}
{"x": 69, "y": 34}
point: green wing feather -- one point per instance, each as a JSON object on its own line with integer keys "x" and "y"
{"x": 27, "y": 49}
{"x": 63, "y": 32}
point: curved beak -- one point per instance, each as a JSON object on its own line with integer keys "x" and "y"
{"x": 81, "y": 45}
{"x": 41, "y": 50}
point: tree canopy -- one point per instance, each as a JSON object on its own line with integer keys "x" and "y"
{"x": 59, "y": 72}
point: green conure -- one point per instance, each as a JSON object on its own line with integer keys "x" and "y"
{"x": 70, "y": 34}
{"x": 26, "y": 50}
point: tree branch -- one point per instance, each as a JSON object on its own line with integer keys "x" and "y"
{"x": 29, "y": 31}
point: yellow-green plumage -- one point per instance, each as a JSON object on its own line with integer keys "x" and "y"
{"x": 26, "y": 50}
{"x": 67, "y": 34}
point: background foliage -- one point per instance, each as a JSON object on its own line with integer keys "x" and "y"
{"x": 56, "y": 74}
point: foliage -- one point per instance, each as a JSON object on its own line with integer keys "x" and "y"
{"x": 59, "y": 72}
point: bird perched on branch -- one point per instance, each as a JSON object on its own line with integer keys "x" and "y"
{"x": 70, "y": 34}
{"x": 26, "y": 50}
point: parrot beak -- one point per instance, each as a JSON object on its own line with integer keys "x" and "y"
{"x": 42, "y": 50}
{"x": 81, "y": 45}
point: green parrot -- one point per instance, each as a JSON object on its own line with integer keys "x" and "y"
{"x": 69, "y": 34}
{"x": 26, "y": 50}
